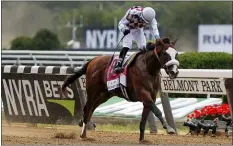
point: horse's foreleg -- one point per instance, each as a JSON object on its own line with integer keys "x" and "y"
{"x": 147, "y": 106}
{"x": 145, "y": 113}
{"x": 157, "y": 111}
{"x": 158, "y": 114}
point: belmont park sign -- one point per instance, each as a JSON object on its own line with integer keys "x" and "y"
{"x": 184, "y": 85}
{"x": 191, "y": 85}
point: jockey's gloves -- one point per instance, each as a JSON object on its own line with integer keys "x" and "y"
{"x": 126, "y": 31}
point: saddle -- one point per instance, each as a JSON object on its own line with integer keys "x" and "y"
{"x": 114, "y": 80}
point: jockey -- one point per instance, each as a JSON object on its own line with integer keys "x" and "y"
{"x": 131, "y": 25}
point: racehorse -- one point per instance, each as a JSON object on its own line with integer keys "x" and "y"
{"x": 143, "y": 80}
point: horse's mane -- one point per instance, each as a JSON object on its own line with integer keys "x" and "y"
{"x": 151, "y": 45}
{"x": 166, "y": 40}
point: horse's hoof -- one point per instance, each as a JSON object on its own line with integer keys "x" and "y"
{"x": 91, "y": 126}
{"x": 170, "y": 130}
{"x": 164, "y": 126}
{"x": 145, "y": 142}
{"x": 83, "y": 135}
{"x": 141, "y": 141}
{"x": 80, "y": 124}
{"x": 153, "y": 132}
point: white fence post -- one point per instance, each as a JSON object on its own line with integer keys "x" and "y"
{"x": 229, "y": 91}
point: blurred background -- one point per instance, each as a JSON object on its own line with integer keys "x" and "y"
{"x": 93, "y": 25}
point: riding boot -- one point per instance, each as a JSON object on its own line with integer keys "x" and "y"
{"x": 118, "y": 68}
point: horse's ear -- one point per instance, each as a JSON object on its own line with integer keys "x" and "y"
{"x": 174, "y": 41}
{"x": 158, "y": 45}
{"x": 166, "y": 40}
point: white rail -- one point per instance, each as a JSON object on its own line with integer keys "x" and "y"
{"x": 202, "y": 73}
{"x": 57, "y": 58}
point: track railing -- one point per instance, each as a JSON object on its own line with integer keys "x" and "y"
{"x": 51, "y": 58}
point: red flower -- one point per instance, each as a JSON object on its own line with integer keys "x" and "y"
{"x": 192, "y": 115}
{"x": 212, "y": 111}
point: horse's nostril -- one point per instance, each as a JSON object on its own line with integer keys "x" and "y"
{"x": 172, "y": 73}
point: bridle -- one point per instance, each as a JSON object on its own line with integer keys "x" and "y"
{"x": 156, "y": 54}
{"x": 161, "y": 49}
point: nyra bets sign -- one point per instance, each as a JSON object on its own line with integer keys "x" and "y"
{"x": 36, "y": 98}
{"x": 215, "y": 38}
{"x": 106, "y": 38}
{"x": 193, "y": 86}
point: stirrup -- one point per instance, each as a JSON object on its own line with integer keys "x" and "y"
{"x": 118, "y": 67}
{"x": 118, "y": 70}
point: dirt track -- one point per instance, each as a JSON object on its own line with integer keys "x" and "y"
{"x": 19, "y": 134}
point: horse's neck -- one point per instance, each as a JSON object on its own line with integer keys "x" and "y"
{"x": 152, "y": 63}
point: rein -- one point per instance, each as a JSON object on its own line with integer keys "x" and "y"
{"x": 145, "y": 58}
{"x": 156, "y": 54}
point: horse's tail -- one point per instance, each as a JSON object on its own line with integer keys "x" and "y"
{"x": 70, "y": 79}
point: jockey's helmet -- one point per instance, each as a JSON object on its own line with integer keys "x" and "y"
{"x": 148, "y": 14}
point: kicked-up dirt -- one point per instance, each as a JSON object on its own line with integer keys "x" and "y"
{"x": 23, "y": 134}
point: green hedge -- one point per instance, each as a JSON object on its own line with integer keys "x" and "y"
{"x": 21, "y": 43}
{"x": 203, "y": 60}
{"x": 44, "y": 39}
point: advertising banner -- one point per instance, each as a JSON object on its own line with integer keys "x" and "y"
{"x": 99, "y": 38}
{"x": 35, "y": 98}
{"x": 215, "y": 38}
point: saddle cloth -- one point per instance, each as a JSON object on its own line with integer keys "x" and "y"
{"x": 115, "y": 80}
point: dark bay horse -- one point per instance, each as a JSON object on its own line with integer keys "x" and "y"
{"x": 143, "y": 80}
